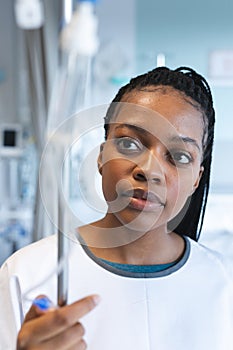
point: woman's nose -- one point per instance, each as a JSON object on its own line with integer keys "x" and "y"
{"x": 149, "y": 169}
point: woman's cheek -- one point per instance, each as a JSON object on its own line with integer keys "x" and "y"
{"x": 177, "y": 197}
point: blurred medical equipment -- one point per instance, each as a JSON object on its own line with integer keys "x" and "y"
{"x": 13, "y": 228}
{"x": 70, "y": 93}
{"x": 10, "y": 154}
{"x": 79, "y": 43}
{"x": 30, "y": 18}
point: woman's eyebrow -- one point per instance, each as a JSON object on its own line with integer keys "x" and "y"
{"x": 175, "y": 139}
{"x": 185, "y": 139}
{"x": 132, "y": 127}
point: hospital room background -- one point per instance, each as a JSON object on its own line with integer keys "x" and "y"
{"x": 128, "y": 37}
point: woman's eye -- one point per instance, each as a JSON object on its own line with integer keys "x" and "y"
{"x": 181, "y": 158}
{"x": 127, "y": 144}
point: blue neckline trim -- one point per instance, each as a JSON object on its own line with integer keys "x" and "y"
{"x": 139, "y": 268}
{"x": 129, "y": 273}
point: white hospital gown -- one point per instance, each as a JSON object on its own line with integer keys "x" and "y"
{"x": 188, "y": 306}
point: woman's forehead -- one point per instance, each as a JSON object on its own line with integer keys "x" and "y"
{"x": 160, "y": 115}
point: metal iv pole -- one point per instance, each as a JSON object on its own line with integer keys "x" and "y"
{"x": 30, "y": 18}
{"x": 78, "y": 44}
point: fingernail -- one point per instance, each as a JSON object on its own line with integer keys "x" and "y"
{"x": 96, "y": 299}
{"x": 43, "y": 303}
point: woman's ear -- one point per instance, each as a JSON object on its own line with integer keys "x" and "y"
{"x": 100, "y": 158}
{"x": 196, "y": 184}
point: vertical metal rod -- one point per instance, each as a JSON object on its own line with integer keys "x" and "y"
{"x": 63, "y": 240}
{"x": 62, "y": 288}
{"x": 38, "y": 95}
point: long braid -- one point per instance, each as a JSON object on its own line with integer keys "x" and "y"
{"x": 194, "y": 86}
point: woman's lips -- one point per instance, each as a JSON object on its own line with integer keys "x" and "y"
{"x": 143, "y": 200}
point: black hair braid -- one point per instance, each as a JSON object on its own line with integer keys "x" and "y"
{"x": 200, "y": 93}
{"x": 193, "y": 85}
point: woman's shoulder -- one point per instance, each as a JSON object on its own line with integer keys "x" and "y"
{"x": 36, "y": 251}
{"x": 212, "y": 258}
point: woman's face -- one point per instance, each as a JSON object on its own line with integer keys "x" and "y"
{"x": 151, "y": 161}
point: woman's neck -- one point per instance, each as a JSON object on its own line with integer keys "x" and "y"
{"x": 121, "y": 245}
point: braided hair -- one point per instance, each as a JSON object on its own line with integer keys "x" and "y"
{"x": 190, "y": 220}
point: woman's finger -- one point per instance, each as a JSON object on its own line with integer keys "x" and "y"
{"x": 55, "y": 322}
{"x": 39, "y": 306}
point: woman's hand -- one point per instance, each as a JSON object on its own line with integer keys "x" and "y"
{"x": 56, "y": 328}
